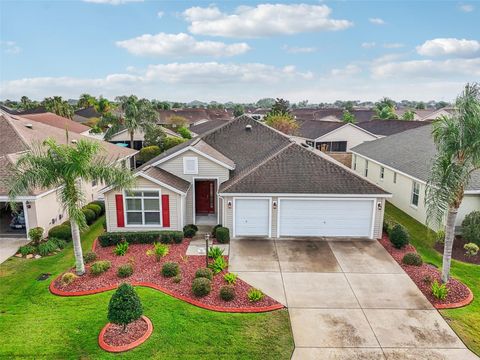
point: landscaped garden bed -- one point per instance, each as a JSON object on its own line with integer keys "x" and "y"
{"x": 426, "y": 274}
{"x": 113, "y": 338}
{"x": 458, "y": 252}
{"x": 147, "y": 271}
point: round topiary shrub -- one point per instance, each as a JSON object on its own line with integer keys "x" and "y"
{"x": 214, "y": 230}
{"x": 68, "y": 278}
{"x": 227, "y": 293}
{"x": 63, "y": 232}
{"x": 125, "y": 306}
{"x": 222, "y": 234}
{"x": 471, "y": 227}
{"x": 99, "y": 267}
{"x": 189, "y": 232}
{"x": 125, "y": 270}
{"x": 412, "y": 259}
{"x": 36, "y": 234}
{"x": 90, "y": 256}
{"x": 97, "y": 209}
{"x": 201, "y": 286}
{"x": 170, "y": 269}
{"x": 204, "y": 273}
{"x": 90, "y": 216}
{"x": 399, "y": 236}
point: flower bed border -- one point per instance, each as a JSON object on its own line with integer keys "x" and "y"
{"x": 459, "y": 304}
{"x": 122, "y": 348}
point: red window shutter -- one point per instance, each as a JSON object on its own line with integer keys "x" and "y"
{"x": 120, "y": 213}
{"x": 165, "y": 211}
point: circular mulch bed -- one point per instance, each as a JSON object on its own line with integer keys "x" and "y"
{"x": 423, "y": 276}
{"x": 112, "y": 338}
{"x": 458, "y": 252}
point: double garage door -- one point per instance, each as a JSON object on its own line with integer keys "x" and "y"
{"x": 305, "y": 217}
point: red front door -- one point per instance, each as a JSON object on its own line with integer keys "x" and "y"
{"x": 205, "y": 197}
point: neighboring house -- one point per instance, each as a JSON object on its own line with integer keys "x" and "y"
{"x": 252, "y": 179}
{"x": 60, "y": 122}
{"x": 123, "y": 137}
{"x": 83, "y": 115}
{"x": 383, "y": 128}
{"x": 41, "y": 207}
{"x": 206, "y": 126}
{"x": 194, "y": 115}
{"x": 425, "y": 114}
{"x": 400, "y": 164}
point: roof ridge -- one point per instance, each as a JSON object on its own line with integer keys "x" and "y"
{"x": 10, "y": 119}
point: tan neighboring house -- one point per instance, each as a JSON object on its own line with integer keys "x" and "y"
{"x": 40, "y": 207}
{"x": 400, "y": 164}
{"x": 255, "y": 181}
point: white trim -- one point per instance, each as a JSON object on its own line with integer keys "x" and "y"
{"x": 471, "y": 192}
{"x": 191, "y": 148}
{"x": 374, "y": 201}
{"x": 345, "y": 125}
{"x": 253, "y": 198}
{"x": 145, "y": 176}
{"x": 194, "y": 178}
{"x": 186, "y": 170}
{"x": 28, "y": 197}
{"x": 25, "y": 216}
{"x": 143, "y": 210}
{"x": 309, "y": 195}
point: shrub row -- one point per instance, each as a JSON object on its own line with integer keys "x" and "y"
{"x": 141, "y": 237}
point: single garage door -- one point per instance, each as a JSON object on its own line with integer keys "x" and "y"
{"x": 326, "y": 218}
{"x": 252, "y": 217}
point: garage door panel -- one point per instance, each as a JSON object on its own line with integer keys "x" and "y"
{"x": 325, "y": 218}
{"x": 252, "y": 217}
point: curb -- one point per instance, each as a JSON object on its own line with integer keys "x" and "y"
{"x": 194, "y": 302}
{"x": 122, "y": 348}
{"x": 459, "y": 304}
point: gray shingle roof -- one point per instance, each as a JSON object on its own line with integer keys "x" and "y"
{"x": 313, "y": 129}
{"x": 202, "y": 128}
{"x": 168, "y": 178}
{"x": 410, "y": 152}
{"x": 389, "y": 127}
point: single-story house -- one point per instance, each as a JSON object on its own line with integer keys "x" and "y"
{"x": 41, "y": 207}
{"x": 61, "y": 122}
{"x": 400, "y": 164}
{"x": 255, "y": 181}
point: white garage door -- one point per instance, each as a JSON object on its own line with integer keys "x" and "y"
{"x": 252, "y": 217}
{"x": 326, "y": 218}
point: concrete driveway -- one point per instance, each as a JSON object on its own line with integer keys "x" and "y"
{"x": 9, "y": 246}
{"x": 346, "y": 300}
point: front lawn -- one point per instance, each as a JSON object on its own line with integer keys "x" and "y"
{"x": 465, "y": 321}
{"x": 37, "y": 324}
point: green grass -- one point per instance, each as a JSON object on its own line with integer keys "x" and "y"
{"x": 36, "y": 324}
{"x": 465, "y": 321}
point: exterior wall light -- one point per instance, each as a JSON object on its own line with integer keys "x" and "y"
{"x": 229, "y": 204}
{"x": 379, "y": 206}
{"x": 274, "y": 205}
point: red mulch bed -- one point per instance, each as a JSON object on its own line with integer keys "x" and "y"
{"x": 423, "y": 276}
{"x": 114, "y": 335}
{"x": 458, "y": 252}
{"x": 148, "y": 269}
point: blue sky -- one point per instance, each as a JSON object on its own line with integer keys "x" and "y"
{"x": 239, "y": 51}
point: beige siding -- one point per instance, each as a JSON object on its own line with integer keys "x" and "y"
{"x": 228, "y": 214}
{"x": 351, "y": 134}
{"x": 175, "y": 205}
{"x": 274, "y": 218}
{"x": 378, "y": 222}
{"x": 46, "y": 212}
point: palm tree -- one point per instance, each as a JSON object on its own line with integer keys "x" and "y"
{"x": 137, "y": 114}
{"x": 58, "y": 106}
{"x": 66, "y": 167}
{"x": 86, "y": 100}
{"x": 457, "y": 139}
{"x": 102, "y": 106}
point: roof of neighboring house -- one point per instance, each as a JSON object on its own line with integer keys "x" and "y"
{"x": 389, "y": 127}
{"x": 167, "y": 178}
{"x": 410, "y": 152}
{"x": 313, "y": 129}
{"x": 192, "y": 115}
{"x": 58, "y": 121}
{"x": 206, "y": 126}
{"x": 88, "y": 112}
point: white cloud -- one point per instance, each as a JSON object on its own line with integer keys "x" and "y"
{"x": 348, "y": 70}
{"x": 466, "y": 8}
{"x": 263, "y": 20}
{"x": 393, "y": 45}
{"x": 377, "y": 21}
{"x": 111, "y": 2}
{"x": 179, "y": 45}
{"x": 450, "y": 47}
{"x": 368, "y": 45}
{"x": 10, "y": 47}
{"x": 160, "y": 14}
{"x": 298, "y": 50}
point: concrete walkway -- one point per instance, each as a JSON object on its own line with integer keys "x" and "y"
{"x": 346, "y": 300}
{"x": 9, "y": 246}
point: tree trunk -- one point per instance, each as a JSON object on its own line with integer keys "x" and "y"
{"x": 449, "y": 238}
{"x": 131, "y": 140}
{"x": 77, "y": 248}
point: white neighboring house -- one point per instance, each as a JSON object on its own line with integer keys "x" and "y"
{"x": 400, "y": 164}
{"x": 41, "y": 207}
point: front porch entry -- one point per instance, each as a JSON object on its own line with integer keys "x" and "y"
{"x": 205, "y": 202}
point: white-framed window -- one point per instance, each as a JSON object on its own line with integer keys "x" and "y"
{"x": 354, "y": 162}
{"x": 190, "y": 165}
{"x": 394, "y": 177}
{"x": 143, "y": 207}
{"x": 382, "y": 173}
{"x": 415, "y": 193}
{"x": 366, "y": 168}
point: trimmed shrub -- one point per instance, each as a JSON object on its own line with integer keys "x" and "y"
{"x": 177, "y": 279}
{"x": 230, "y": 278}
{"x": 125, "y": 306}
{"x": 97, "y": 209}
{"x": 218, "y": 265}
{"x": 399, "y": 236}
{"x": 100, "y": 267}
{"x": 227, "y": 293}
{"x": 439, "y": 291}
{"x": 140, "y": 237}
{"x": 255, "y": 295}
{"x": 201, "y": 286}
{"x": 90, "y": 216}
{"x": 189, "y": 232}
{"x": 204, "y": 273}
{"x": 36, "y": 234}
{"x": 193, "y": 226}
{"x": 68, "y": 278}
{"x": 99, "y": 203}
{"x": 125, "y": 270}
{"x": 90, "y": 256}
{"x": 471, "y": 227}
{"x": 170, "y": 269}
{"x": 26, "y": 249}
{"x": 412, "y": 259}
{"x": 471, "y": 249}
{"x": 222, "y": 235}
{"x": 47, "y": 247}
{"x": 214, "y": 230}
{"x": 121, "y": 249}
{"x": 63, "y": 232}
{"x": 388, "y": 224}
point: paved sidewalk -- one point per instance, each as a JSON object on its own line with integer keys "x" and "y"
{"x": 346, "y": 300}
